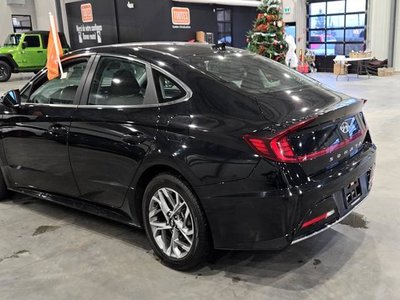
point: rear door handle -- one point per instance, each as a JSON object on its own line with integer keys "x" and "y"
{"x": 134, "y": 138}
{"x": 57, "y": 130}
{"x": 40, "y": 51}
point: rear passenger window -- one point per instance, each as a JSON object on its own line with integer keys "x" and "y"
{"x": 32, "y": 41}
{"x": 118, "y": 82}
{"x": 167, "y": 89}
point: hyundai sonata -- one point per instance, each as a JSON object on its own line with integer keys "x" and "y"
{"x": 202, "y": 146}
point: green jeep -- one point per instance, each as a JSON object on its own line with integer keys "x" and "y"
{"x": 25, "y": 52}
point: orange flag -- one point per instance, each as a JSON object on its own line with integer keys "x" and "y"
{"x": 54, "y": 52}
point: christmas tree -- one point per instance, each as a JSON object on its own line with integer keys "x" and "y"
{"x": 267, "y": 37}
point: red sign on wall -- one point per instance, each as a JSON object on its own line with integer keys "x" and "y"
{"x": 180, "y": 16}
{"x": 87, "y": 13}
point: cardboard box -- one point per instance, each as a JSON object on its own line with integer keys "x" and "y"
{"x": 381, "y": 72}
{"x": 360, "y": 54}
{"x": 201, "y": 36}
{"x": 389, "y": 71}
{"x": 339, "y": 69}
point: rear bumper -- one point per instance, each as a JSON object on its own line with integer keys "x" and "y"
{"x": 263, "y": 213}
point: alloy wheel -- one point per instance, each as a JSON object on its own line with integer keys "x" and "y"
{"x": 171, "y": 223}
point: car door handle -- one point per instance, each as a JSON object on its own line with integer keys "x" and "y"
{"x": 57, "y": 130}
{"x": 134, "y": 138}
{"x": 40, "y": 51}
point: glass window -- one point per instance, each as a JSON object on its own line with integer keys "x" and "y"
{"x": 334, "y": 21}
{"x": 12, "y": 40}
{"x": 318, "y": 8}
{"x": 291, "y": 30}
{"x": 21, "y": 23}
{"x": 249, "y": 72}
{"x": 60, "y": 91}
{"x": 335, "y": 7}
{"x": 334, "y": 49}
{"x": 355, "y": 5}
{"x": 316, "y": 36}
{"x": 118, "y": 82}
{"x": 353, "y": 47}
{"x": 224, "y": 23}
{"x": 318, "y": 49}
{"x": 223, "y": 15}
{"x": 168, "y": 89}
{"x": 355, "y": 35}
{"x": 355, "y": 20}
{"x": 32, "y": 41}
{"x": 335, "y": 35}
{"x": 317, "y": 22}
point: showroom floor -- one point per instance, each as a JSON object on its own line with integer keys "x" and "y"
{"x": 51, "y": 252}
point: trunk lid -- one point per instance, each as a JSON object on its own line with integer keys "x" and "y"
{"x": 291, "y": 105}
{"x": 336, "y": 133}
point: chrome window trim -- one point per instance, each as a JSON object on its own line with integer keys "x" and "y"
{"x": 51, "y": 105}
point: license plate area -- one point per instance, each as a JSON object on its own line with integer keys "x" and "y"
{"x": 352, "y": 192}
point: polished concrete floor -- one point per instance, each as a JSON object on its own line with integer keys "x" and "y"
{"x": 50, "y": 252}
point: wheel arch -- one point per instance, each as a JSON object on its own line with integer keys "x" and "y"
{"x": 145, "y": 174}
{"x": 7, "y": 58}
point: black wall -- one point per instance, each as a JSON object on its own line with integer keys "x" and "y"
{"x": 103, "y": 15}
{"x": 243, "y": 19}
{"x": 150, "y": 20}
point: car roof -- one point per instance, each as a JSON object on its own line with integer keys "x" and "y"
{"x": 175, "y": 49}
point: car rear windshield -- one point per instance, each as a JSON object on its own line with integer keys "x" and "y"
{"x": 248, "y": 72}
{"x": 12, "y": 40}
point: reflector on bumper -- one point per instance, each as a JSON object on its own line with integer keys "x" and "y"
{"x": 318, "y": 219}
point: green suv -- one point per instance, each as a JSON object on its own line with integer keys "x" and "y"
{"x": 25, "y": 52}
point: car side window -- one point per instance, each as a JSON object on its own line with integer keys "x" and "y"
{"x": 60, "y": 90}
{"x": 167, "y": 89}
{"x": 118, "y": 82}
{"x": 32, "y": 41}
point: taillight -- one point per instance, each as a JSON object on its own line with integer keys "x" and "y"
{"x": 278, "y": 147}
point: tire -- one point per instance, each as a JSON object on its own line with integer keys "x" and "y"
{"x": 4, "y": 193}
{"x": 5, "y": 71}
{"x": 188, "y": 223}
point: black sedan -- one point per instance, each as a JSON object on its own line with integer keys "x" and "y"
{"x": 203, "y": 146}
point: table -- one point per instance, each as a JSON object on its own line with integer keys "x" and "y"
{"x": 361, "y": 63}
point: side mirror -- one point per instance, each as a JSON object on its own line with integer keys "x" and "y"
{"x": 12, "y": 99}
{"x": 24, "y": 45}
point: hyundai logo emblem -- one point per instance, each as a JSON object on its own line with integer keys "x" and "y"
{"x": 345, "y": 127}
